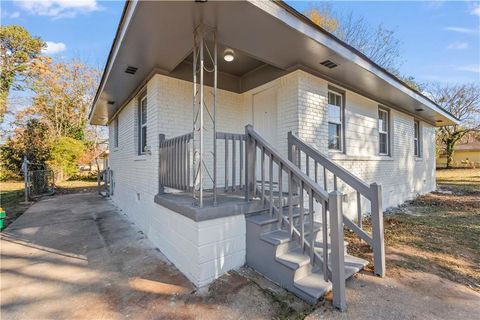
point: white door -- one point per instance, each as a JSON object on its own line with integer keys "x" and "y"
{"x": 265, "y": 123}
{"x": 265, "y": 114}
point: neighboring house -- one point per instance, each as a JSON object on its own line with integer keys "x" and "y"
{"x": 189, "y": 172}
{"x": 465, "y": 155}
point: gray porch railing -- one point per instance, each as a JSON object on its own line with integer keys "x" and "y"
{"x": 308, "y": 191}
{"x": 372, "y": 192}
{"x": 234, "y": 160}
{"x": 175, "y": 162}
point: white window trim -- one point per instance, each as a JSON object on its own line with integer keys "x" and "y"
{"x": 141, "y": 125}
{"x": 417, "y": 141}
{"x": 341, "y": 123}
{"x": 387, "y": 132}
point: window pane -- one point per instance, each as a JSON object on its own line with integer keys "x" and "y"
{"x": 334, "y": 114}
{"x": 334, "y": 99}
{"x": 331, "y": 98}
{"x": 144, "y": 139}
{"x": 416, "y": 147}
{"x": 383, "y": 141}
{"x": 382, "y": 121}
{"x": 334, "y": 136}
{"x": 144, "y": 111}
{"x": 415, "y": 126}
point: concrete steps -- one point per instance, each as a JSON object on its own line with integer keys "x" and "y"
{"x": 271, "y": 252}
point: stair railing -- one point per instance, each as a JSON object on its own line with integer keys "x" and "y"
{"x": 308, "y": 191}
{"x": 372, "y": 192}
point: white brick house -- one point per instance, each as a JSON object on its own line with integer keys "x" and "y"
{"x": 366, "y": 121}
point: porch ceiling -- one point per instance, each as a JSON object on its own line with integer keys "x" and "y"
{"x": 271, "y": 39}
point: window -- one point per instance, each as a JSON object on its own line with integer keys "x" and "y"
{"x": 335, "y": 121}
{"x": 142, "y": 125}
{"x": 383, "y": 132}
{"x": 115, "y": 133}
{"x": 416, "y": 139}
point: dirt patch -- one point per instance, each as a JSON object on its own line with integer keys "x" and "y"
{"x": 436, "y": 233}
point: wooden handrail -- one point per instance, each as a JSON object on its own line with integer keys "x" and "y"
{"x": 338, "y": 171}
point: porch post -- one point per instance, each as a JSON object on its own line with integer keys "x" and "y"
{"x": 337, "y": 250}
{"x": 377, "y": 230}
{"x": 204, "y": 61}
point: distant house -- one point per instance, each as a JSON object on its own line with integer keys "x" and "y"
{"x": 242, "y": 133}
{"x": 466, "y": 155}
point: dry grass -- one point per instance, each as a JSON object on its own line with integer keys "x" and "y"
{"x": 438, "y": 232}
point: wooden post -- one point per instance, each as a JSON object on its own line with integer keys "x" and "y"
{"x": 337, "y": 250}
{"x": 249, "y": 163}
{"x": 377, "y": 230}
{"x": 161, "y": 188}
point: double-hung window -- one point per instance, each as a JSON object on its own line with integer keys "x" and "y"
{"x": 335, "y": 121}
{"x": 416, "y": 139}
{"x": 383, "y": 132}
{"x": 115, "y": 132}
{"x": 142, "y": 125}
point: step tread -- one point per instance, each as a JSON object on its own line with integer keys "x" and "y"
{"x": 313, "y": 284}
{"x": 264, "y": 217}
{"x": 294, "y": 259}
{"x": 276, "y": 237}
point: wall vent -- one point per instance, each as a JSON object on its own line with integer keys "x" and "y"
{"x": 110, "y": 102}
{"x": 329, "y": 64}
{"x": 131, "y": 70}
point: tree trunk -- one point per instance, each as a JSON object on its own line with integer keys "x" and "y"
{"x": 449, "y": 151}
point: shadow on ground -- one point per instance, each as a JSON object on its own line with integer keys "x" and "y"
{"x": 76, "y": 257}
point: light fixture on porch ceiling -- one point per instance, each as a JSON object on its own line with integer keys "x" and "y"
{"x": 228, "y": 55}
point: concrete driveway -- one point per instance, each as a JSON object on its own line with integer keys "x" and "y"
{"x": 77, "y": 257}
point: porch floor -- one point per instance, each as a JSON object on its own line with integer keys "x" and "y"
{"x": 230, "y": 203}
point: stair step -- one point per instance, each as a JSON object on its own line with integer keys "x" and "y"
{"x": 353, "y": 265}
{"x": 276, "y": 237}
{"x": 282, "y": 236}
{"x": 294, "y": 259}
{"x": 264, "y": 217}
{"x": 314, "y": 285}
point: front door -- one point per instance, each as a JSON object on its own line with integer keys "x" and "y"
{"x": 265, "y": 114}
{"x": 265, "y": 123}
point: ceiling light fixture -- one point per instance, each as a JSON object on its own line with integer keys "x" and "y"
{"x": 228, "y": 55}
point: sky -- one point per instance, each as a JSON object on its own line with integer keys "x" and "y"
{"x": 439, "y": 40}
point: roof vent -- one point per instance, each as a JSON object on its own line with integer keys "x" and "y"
{"x": 131, "y": 70}
{"x": 329, "y": 64}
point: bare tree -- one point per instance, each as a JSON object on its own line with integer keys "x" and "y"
{"x": 463, "y": 101}
{"x": 376, "y": 42}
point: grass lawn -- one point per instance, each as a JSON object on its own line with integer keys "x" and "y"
{"x": 437, "y": 233}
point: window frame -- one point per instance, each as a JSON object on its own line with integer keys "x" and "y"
{"x": 417, "y": 139}
{"x": 341, "y": 123}
{"x": 140, "y": 125}
{"x": 115, "y": 133}
{"x": 387, "y": 132}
